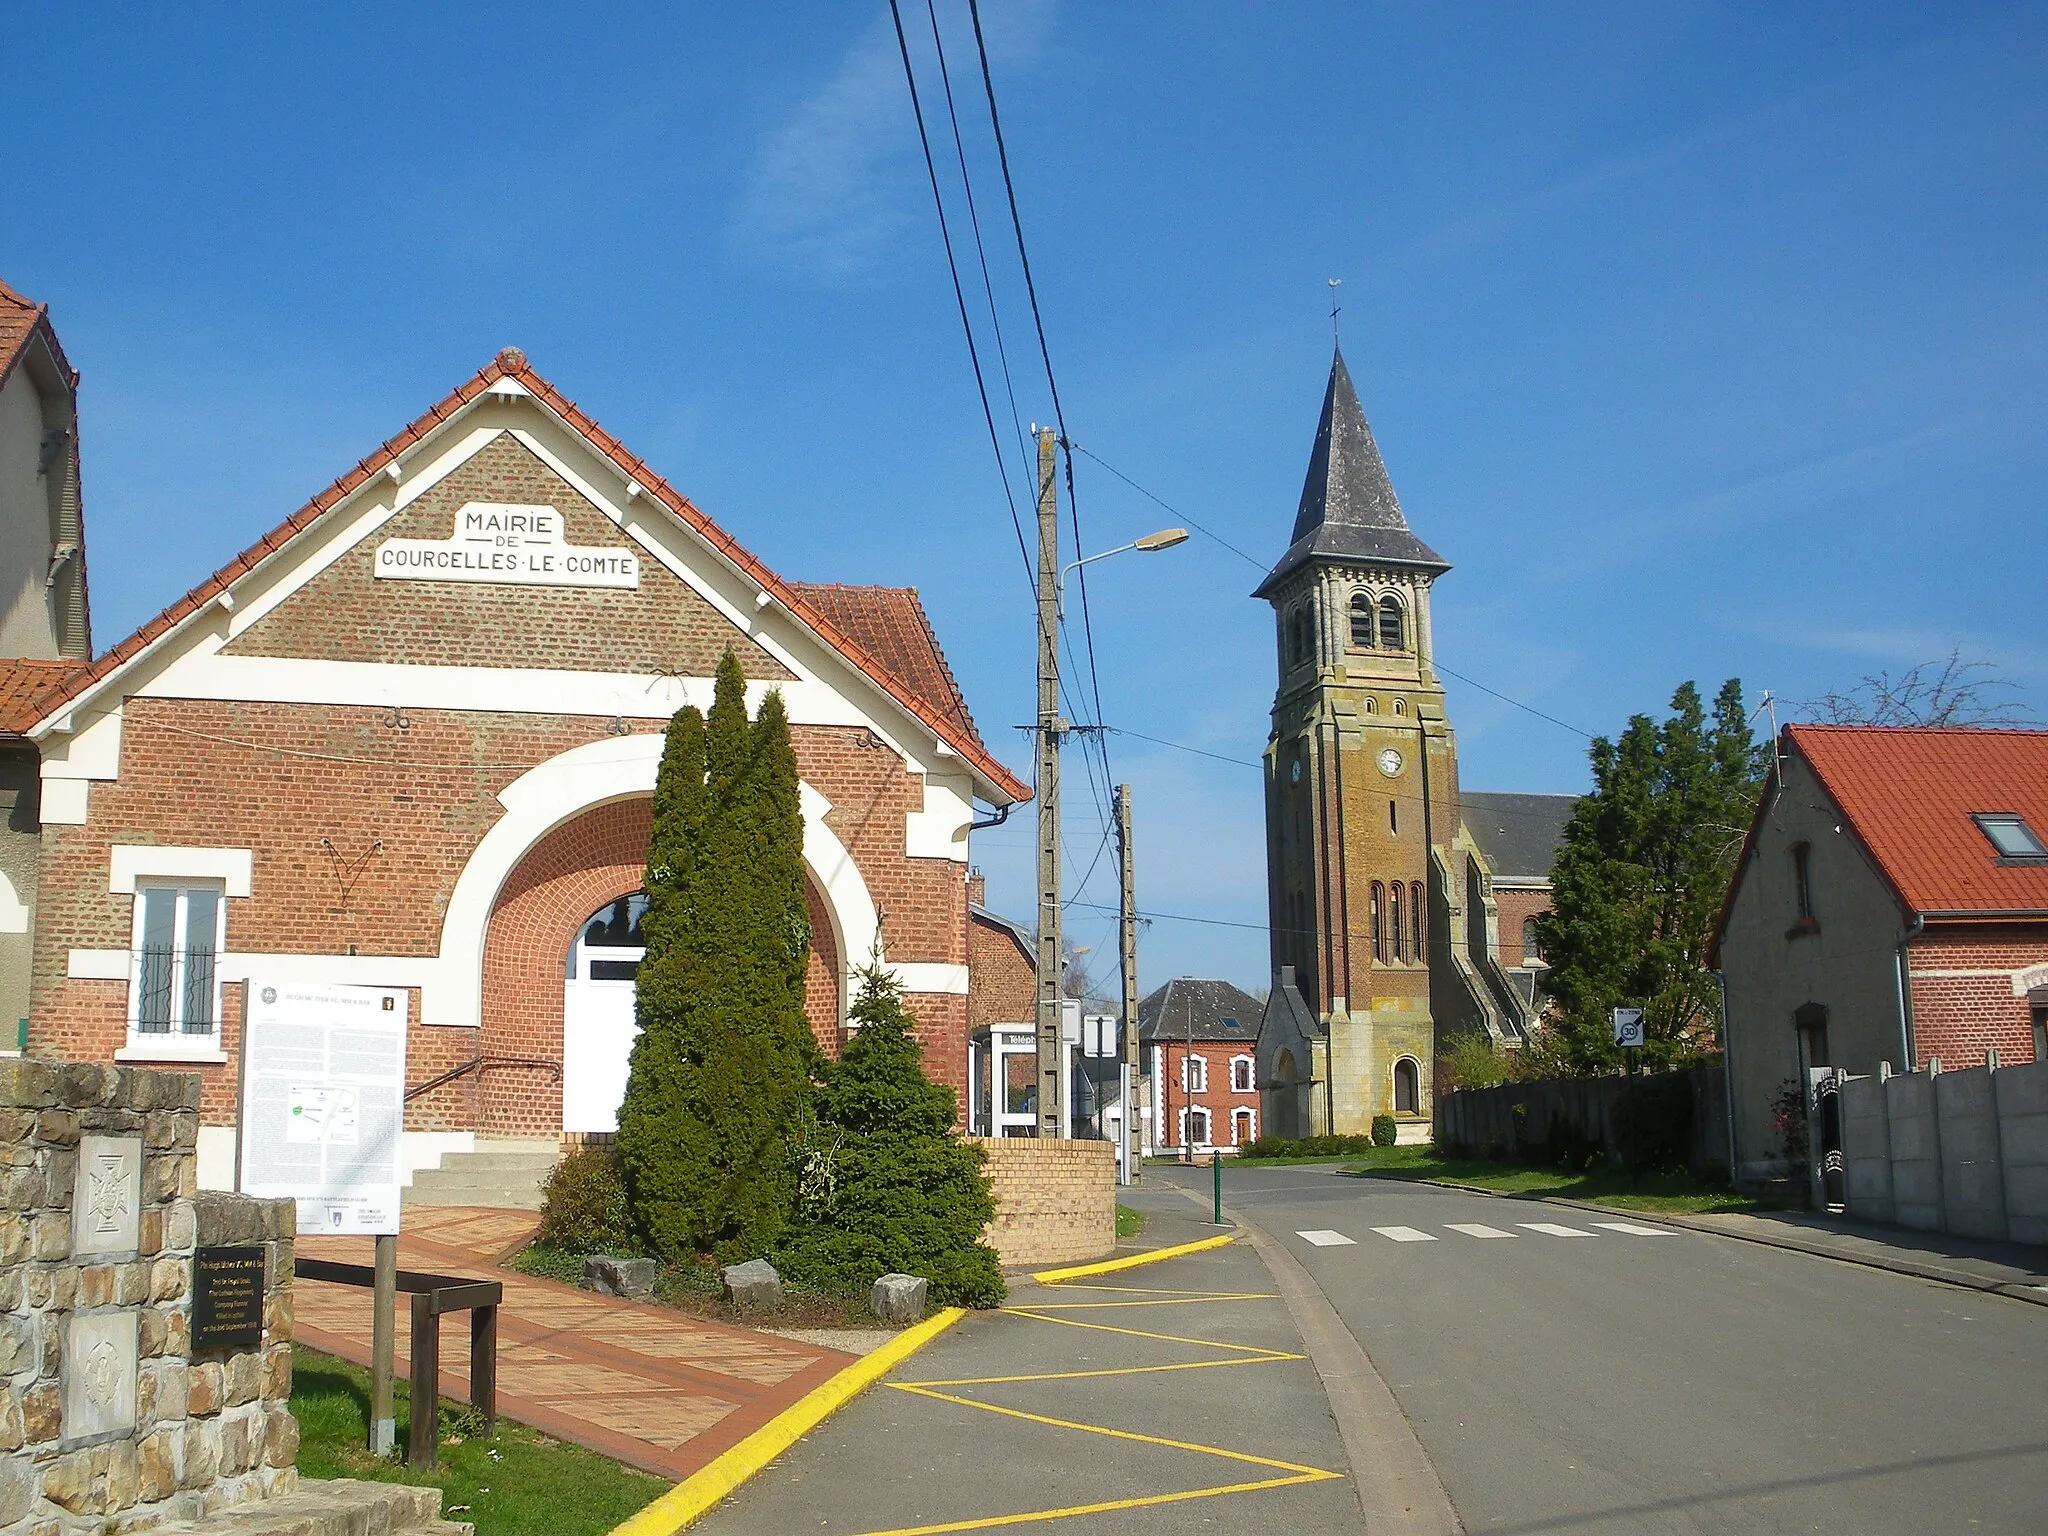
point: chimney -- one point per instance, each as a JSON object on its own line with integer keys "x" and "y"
{"x": 977, "y": 888}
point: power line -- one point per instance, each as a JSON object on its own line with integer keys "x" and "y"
{"x": 959, "y": 293}
{"x": 1175, "y": 512}
{"x": 1528, "y": 708}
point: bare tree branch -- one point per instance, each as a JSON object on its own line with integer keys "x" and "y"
{"x": 1949, "y": 692}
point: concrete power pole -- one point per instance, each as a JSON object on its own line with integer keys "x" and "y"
{"x": 1127, "y": 952}
{"x": 1050, "y": 729}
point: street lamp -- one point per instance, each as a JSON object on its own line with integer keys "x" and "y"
{"x": 1165, "y": 538}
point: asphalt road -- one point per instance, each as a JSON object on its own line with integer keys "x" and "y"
{"x": 1621, "y": 1383}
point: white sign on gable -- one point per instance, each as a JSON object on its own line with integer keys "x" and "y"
{"x": 510, "y": 545}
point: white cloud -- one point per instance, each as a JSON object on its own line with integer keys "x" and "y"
{"x": 840, "y": 184}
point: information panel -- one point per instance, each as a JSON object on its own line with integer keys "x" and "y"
{"x": 323, "y": 1098}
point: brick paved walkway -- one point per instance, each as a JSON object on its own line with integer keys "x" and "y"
{"x": 653, "y": 1388}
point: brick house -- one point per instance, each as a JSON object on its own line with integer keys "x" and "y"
{"x": 1198, "y": 1042}
{"x": 408, "y": 740}
{"x": 1891, "y": 905}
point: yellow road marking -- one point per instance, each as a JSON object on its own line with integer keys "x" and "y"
{"x": 1176, "y": 1301}
{"x": 1121, "y": 1370}
{"x": 1108, "y": 1506}
{"x": 1117, "y": 1434}
{"x": 1110, "y": 1266}
{"x": 1139, "y": 1333}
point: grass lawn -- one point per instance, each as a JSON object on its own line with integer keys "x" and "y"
{"x": 518, "y": 1483}
{"x": 1603, "y": 1185}
{"x": 1129, "y": 1223}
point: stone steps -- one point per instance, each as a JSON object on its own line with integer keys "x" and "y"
{"x": 506, "y": 1175}
{"x": 340, "y": 1507}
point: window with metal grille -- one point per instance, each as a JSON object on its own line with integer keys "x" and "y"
{"x": 175, "y": 986}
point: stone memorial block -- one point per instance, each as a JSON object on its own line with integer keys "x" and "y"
{"x": 99, "y": 1375}
{"x": 106, "y": 1204}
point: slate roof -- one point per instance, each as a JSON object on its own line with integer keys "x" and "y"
{"x": 1348, "y": 507}
{"x": 1908, "y": 793}
{"x": 1215, "y": 1010}
{"x": 1017, "y": 932}
{"x": 890, "y": 624}
{"x": 943, "y": 715}
{"x": 1518, "y": 834}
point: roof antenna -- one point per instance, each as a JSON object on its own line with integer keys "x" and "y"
{"x": 1335, "y": 309}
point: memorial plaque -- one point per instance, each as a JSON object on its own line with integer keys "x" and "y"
{"x": 106, "y": 1201}
{"x": 227, "y": 1300}
{"x": 99, "y": 1375}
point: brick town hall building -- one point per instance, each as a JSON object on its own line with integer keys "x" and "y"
{"x": 1399, "y": 905}
{"x": 408, "y": 740}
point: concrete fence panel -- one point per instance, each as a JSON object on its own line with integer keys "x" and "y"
{"x": 2023, "y": 1144}
{"x": 1866, "y": 1151}
{"x": 1972, "y": 1182}
{"x": 1915, "y": 1151}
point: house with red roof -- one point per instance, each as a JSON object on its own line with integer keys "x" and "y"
{"x": 407, "y": 741}
{"x": 1890, "y": 906}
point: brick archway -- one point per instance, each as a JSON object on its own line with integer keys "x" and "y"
{"x": 584, "y": 864}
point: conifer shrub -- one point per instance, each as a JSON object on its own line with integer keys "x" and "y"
{"x": 886, "y": 1185}
{"x": 720, "y": 1073}
{"x": 1384, "y": 1131}
{"x": 583, "y": 1204}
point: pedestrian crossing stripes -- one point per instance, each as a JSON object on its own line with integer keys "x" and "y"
{"x": 1325, "y": 1238}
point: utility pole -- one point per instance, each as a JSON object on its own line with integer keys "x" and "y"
{"x": 1050, "y": 729}
{"x": 1127, "y": 952}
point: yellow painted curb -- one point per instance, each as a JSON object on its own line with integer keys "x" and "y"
{"x": 1111, "y": 1266}
{"x": 698, "y": 1492}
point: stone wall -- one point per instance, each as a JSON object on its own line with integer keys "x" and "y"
{"x": 111, "y": 1420}
{"x": 1055, "y": 1200}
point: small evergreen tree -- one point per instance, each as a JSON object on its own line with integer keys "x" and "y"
{"x": 1638, "y": 886}
{"x": 887, "y": 1185}
{"x": 720, "y": 1073}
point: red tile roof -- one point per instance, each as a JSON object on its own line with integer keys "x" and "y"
{"x": 889, "y": 623}
{"x": 937, "y": 715}
{"x": 21, "y": 319}
{"x": 24, "y": 684}
{"x": 1909, "y": 793}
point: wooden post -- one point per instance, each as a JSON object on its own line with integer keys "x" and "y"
{"x": 383, "y": 1305}
{"x": 423, "y": 1442}
{"x": 483, "y": 1365}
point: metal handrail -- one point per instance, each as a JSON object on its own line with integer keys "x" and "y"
{"x": 477, "y": 1064}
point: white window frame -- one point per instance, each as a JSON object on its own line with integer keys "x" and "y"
{"x": 1249, "y": 1073}
{"x": 1250, "y": 1119}
{"x": 1187, "y": 1139}
{"x": 175, "y": 1044}
{"x": 1194, "y": 1074}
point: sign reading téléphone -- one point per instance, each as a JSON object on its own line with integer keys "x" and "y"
{"x": 507, "y": 544}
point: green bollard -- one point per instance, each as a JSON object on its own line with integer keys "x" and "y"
{"x": 1216, "y": 1176}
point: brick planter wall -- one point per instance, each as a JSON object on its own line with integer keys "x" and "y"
{"x": 1055, "y": 1200}
{"x": 108, "y": 1421}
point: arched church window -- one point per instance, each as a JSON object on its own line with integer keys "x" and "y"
{"x": 1370, "y": 706}
{"x": 1394, "y": 925}
{"x": 1362, "y": 633}
{"x": 1393, "y": 631}
{"x": 1376, "y": 908}
{"x": 1415, "y": 907}
{"x": 1400, "y": 707}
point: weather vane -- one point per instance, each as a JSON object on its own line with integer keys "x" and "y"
{"x": 1335, "y": 308}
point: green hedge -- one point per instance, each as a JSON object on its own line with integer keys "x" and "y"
{"x": 1307, "y": 1146}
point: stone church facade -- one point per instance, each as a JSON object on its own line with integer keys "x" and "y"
{"x": 1388, "y": 930}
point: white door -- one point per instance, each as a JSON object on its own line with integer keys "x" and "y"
{"x": 598, "y": 1026}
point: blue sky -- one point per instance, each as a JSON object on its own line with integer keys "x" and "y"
{"x": 1705, "y": 341}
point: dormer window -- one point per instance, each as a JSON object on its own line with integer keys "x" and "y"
{"x": 2011, "y": 835}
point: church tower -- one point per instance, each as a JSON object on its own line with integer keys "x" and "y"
{"x": 1361, "y": 800}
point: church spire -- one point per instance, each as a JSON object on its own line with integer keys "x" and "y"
{"x": 1348, "y": 508}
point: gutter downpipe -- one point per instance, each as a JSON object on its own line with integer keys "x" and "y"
{"x": 1727, "y": 1070}
{"x": 1905, "y": 992}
